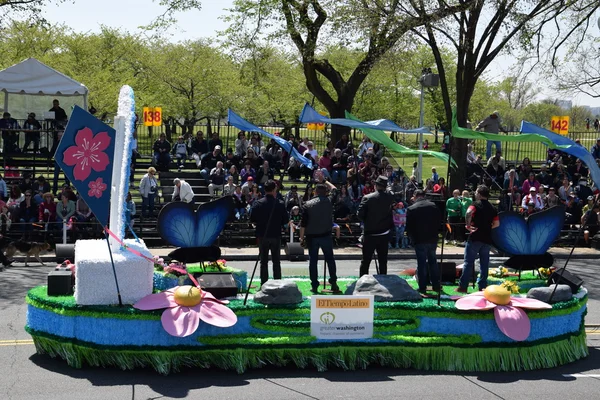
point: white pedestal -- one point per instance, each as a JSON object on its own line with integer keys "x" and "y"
{"x": 94, "y": 279}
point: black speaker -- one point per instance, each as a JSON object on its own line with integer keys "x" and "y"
{"x": 567, "y": 278}
{"x": 60, "y": 283}
{"x": 294, "y": 251}
{"x": 448, "y": 272}
{"x": 218, "y": 284}
{"x": 65, "y": 252}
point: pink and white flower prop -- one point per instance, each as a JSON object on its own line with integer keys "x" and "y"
{"x": 510, "y": 318}
{"x": 185, "y": 307}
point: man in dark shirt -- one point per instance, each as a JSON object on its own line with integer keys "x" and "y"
{"x": 199, "y": 147}
{"x": 161, "y": 149}
{"x": 423, "y": 220}
{"x": 481, "y": 218}
{"x": 316, "y": 226}
{"x": 210, "y": 161}
{"x": 10, "y": 136}
{"x": 60, "y": 116}
{"x": 375, "y": 211}
{"x": 214, "y": 142}
{"x": 270, "y": 216}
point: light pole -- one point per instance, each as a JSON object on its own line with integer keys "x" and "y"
{"x": 427, "y": 80}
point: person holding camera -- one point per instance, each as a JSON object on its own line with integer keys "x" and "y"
{"x": 148, "y": 190}
{"x": 315, "y": 226}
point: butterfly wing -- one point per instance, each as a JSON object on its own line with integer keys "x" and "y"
{"x": 176, "y": 224}
{"x": 512, "y": 235}
{"x": 544, "y": 228}
{"x": 210, "y": 220}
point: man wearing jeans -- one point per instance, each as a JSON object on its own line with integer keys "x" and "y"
{"x": 316, "y": 225}
{"x": 491, "y": 124}
{"x": 481, "y": 218}
{"x": 270, "y": 216}
{"x": 423, "y": 220}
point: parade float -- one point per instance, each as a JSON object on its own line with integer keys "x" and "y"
{"x": 127, "y": 312}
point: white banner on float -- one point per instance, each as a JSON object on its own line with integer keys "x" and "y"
{"x": 341, "y": 317}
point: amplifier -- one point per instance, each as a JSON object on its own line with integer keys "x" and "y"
{"x": 448, "y": 272}
{"x": 568, "y": 278}
{"x": 294, "y": 251}
{"x": 60, "y": 283}
{"x": 219, "y": 285}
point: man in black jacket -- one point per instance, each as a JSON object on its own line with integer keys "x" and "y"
{"x": 270, "y": 216}
{"x": 423, "y": 220}
{"x": 375, "y": 211}
{"x": 316, "y": 224}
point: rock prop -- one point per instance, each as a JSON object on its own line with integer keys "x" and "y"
{"x": 278, "y": 292}
{"x": 384, "y": 288}
{"x": 563, "y": 293}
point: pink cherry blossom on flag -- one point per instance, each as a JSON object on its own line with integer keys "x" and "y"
{"x": 96, "y": 187}
{"x": 511, "y": 320}
{"x": 88, "y": 153}
{"x": 182, "y": 321}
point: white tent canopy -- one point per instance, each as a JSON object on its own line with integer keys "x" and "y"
{"x": 27, "y": 83}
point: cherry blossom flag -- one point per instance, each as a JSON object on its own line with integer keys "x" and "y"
{"x": 85, "y": 155}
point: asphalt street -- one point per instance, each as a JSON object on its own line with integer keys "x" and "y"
{"x": 25, "y": 375}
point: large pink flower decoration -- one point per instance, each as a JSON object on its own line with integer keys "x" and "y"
{"x": 185, "y": 307}
{"x": 88, "y": 153}
{"x": 96, "y": 188}
{"x": 511, "y": 320}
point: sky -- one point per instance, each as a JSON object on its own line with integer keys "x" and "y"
{"x": 89, "y": 15}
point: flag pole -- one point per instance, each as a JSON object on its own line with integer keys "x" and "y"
{"x": 112, "y": 262}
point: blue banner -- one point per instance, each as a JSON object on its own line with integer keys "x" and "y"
{"x": 566, "y": 146}
{"x": 309, "y": 115}
{"x": 242, "y": 124}
{"x": 85, "y": 154}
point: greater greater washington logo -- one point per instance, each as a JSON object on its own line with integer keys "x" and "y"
{"x": 327, "y": 318}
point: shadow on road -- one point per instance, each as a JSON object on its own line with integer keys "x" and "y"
{"x": 15, "y": 281}
{"x": 178, "y": 385}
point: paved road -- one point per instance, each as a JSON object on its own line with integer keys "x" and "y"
{"x": 25, "y": 375}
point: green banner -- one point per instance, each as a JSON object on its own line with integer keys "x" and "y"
{"x": 465, "y": 133}
{"x": 380, "y": 137}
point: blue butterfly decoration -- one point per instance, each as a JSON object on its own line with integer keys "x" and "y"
{"x": 528, "y": 241}
{"x": 194, "y": 231}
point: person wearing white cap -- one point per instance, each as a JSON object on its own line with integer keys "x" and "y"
{"x": 532, "y": 197}
{"x": 491, "y": 124}
{"x": 182, "y": 191}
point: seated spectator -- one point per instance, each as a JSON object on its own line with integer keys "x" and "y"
{"x": 180, "y": 151}
{"x": 471, "y": 157}
{"x": 590, "y": 222}
{"x": 15, "y": 198}
{"x": 565, "y": 190}
{"x": 364, "y": 146}
{"x": 209, "y": 162}
{"x": 530, "y": 209}
{"x": 339, "y": 165}
{"x": 264, "y": 174}
{"x": 83, "y": 213}
{"x": 544, "y": 178}
{"x": 65, "y": 209}
{"x": 294, "y": 169}
{"x": 343, "y": 206}
{"x": 39, "y": 188}
{"x": 306, "y": 170}
{"x": 292, "y": 198}
{"x": 513, "y": 187}
{"x": 26, "y": 184}
{"x": 295, "y": 219}
{"x": 199, "y": 147}
{"x": 231, "y": 160}
{"x": 253, "y": 196}
{"x": 161, "y": 149}
{"x": 47, "y": 211}
{"x": 241, "y": 145}
{"x": 595, "y": 150}
{"x": 588, "y": 206}
{"x": 368, "y": 189}
{"x": 583, "y": 191}
{"x": 234, "y": 174}
{"x": 247, "y": 172}
{"x": 429, "y": 186}
{"x": 530, "y": 182}
{"x": 534, "y": 198}
{"x": 276, "y": 158}
{"x": 217, "y": 178}
{"x": 343, "y": 142}
{"x": 552, "y": 199}
{"x": 572, "y": 210}
{"x": 214, "y": 142}
{"x": 239, "y": 203}
{"x": 183, "y": 191}
{"x": 252, "y": 158}
{"x": 28, "y": 213}
{"x": 10, "y": 136}
{"x": 525, "y": 169}
{"x": 578, "y": 168}
{"x": 325, "y": 164}
{"x": 255, "y": 145}
{"x": 229, "y": 187}
{"x": 303, "y": 146}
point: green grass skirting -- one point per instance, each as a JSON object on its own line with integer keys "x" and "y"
{"x": 347, "y": 357}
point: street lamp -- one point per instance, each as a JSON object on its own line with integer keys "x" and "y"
{"x": 427, "y": 79}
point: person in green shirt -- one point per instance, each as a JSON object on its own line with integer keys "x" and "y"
{"x": 454, "y": 210}
{"x": 466, "y": 200}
